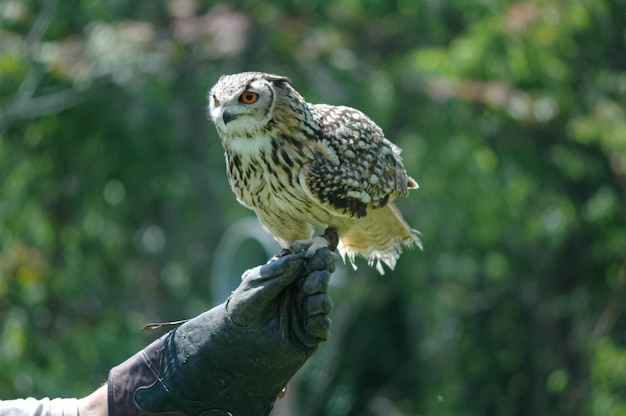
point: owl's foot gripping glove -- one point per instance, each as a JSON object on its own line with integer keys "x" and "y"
{"x": 235, "y": 358}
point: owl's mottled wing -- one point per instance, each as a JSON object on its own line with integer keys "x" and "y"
{"x": 356, "y": 168}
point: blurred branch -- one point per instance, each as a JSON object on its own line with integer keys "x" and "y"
{"x": 22, "y": 105}
{"x": 42, "y": 22}
{"x": 613, "y": 309}
{"x": 41, "y": 106}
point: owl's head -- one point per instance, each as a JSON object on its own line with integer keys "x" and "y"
{"x": 240, "y": 104}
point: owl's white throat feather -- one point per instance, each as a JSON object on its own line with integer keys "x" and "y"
{"x": 252, "y": 147}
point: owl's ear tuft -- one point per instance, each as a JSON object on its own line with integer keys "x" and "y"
{"x": 277, "y": 78}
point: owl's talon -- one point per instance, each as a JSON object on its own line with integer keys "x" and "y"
{"x": 329, "y": 240}
{"x": 284, "y": 252}
{"x": 316, "y": 244}
{"x": 301, "y": 245}
{"x": 310, "y": 246}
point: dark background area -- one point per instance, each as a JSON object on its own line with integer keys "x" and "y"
{"x": 115, "y": 208}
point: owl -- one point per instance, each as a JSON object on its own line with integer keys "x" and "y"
{"x": 299, "y": 166}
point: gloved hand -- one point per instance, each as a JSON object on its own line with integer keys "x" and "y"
{"x": 235, "y": 358}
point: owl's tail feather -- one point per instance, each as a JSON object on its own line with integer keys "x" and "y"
{"x": 379, "y": 237}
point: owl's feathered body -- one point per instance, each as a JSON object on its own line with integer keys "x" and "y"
{"x": 299, "y": 165}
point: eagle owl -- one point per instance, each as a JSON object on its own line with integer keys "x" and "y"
{"x": 301, "y": 165}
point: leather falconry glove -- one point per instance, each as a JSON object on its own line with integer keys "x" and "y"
{"x": 235, "y": 358}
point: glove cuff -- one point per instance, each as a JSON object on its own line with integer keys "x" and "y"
{"x": 177, "y": 375}
{"x": 142, "y": 373}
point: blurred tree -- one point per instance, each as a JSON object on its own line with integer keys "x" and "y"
{"x": 113, "y": 196}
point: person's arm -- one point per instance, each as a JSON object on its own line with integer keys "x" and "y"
{"x": 40, "y": 407}
{"x": 96, "y": 404}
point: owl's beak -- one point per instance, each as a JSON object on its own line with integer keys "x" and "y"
{"x": 227, "y": 116}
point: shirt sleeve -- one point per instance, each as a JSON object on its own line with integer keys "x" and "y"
{"x": 35, "y": 407}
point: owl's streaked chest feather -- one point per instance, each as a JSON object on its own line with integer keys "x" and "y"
{"x": 261, "y": 169}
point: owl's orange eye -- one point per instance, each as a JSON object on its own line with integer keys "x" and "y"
{"x": 216, "y": 102}
{"x": 249, "y": 97}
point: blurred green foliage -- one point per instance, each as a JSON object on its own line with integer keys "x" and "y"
{"x": 512, "y": 117}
